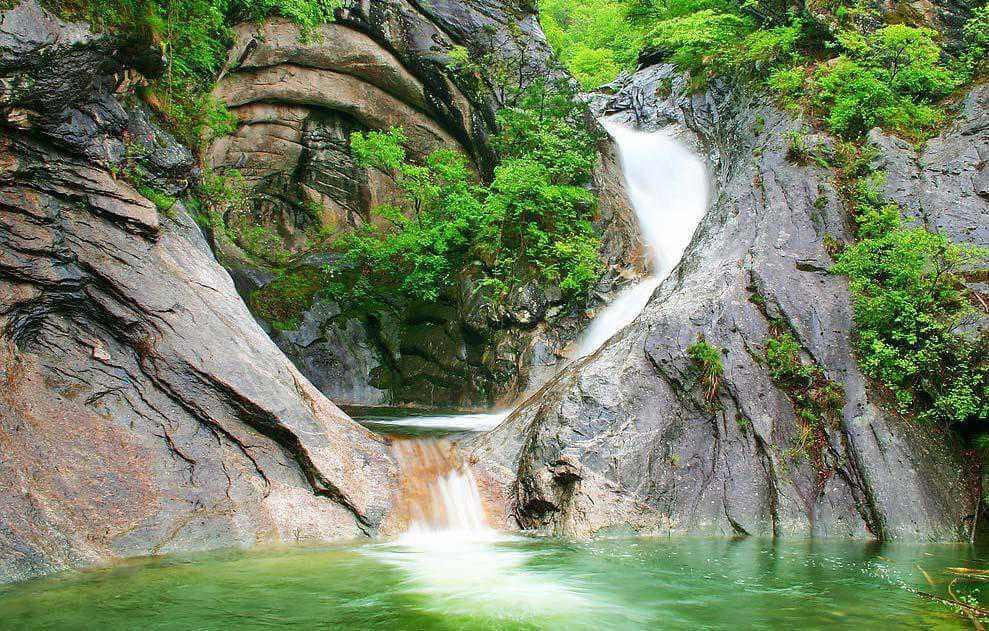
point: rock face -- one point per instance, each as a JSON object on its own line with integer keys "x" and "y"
{"x": 625, "y": 439}
{"x": 944, "y": 186}
{"x": 142, "y": 409}
{"x": 383, "y": 64}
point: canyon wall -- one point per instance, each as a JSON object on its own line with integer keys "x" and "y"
{"x": 142, "y": 408}
{"x": 626, "y": 440}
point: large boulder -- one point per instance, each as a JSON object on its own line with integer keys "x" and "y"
{"x": 142, "y": 408}
{"x": 627, "y": 440}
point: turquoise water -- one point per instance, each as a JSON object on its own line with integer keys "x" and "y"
{"x": 501, "y": 582}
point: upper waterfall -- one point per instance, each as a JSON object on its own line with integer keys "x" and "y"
{"x": 667, "y": 185}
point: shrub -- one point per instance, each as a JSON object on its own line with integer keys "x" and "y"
{"x": 697, "y": 41}
{"x": 707, "y": 359}
{"x": 783, "y": 360}
{"x": 975, "y": 55}
{"x": 888, "y": 78}
{"x": 788, "y": 83}
{"x": 532, "y": 222}
{"x": 593, "y": 38}
{"x": 910, "y": 306}
{"x": 283, "y": 301}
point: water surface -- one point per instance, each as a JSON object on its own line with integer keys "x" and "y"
{"x": 495, "y": 581}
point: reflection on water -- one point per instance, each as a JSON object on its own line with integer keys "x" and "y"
{"x": 509, "y": 583}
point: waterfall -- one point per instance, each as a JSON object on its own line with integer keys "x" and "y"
{"x": 667, "y": 186}
{"x": 459, "y": 567}
{"x": 449, "y": 550}
{"x": 439, "y": 489}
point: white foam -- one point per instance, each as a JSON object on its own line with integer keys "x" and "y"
{"x": 480, "y": 422}
{"x": 667, "y": 185}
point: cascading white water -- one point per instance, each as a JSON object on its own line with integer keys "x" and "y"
{"x": 452, "y": 556}
{"x": 667, "y": 186}
{"x": 449, "y": 551}
{"x": 479, "y": 422}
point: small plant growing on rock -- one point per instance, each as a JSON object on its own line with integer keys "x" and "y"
{"x": 817, "y": 400}
{"x": 797, "y": 150}
{"x": 707, "y": 359}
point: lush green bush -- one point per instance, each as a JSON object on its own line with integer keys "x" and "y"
{"x": 890, "y": 78}
{"x": 975, "y": 56}
{"x": 911, "y": 307}
{"x": 532, "y": 222}
{"x": 593, "y": 38}
{"x": 699, "y": 41}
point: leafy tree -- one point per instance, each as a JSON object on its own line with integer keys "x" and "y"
{"x": 532, "y": 222}
{"x": 694, "y": 40}
{"x": 593, "y": 38}
{"x": 975, "y": 56}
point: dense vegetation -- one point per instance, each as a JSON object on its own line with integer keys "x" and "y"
{"x": 840, "y": 62}
{"x": 531, "y": 222}
{"x": 914, "y": 313}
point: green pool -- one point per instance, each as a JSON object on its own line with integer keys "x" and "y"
{"x": 500, "y": 582}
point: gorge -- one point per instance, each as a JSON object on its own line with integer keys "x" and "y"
{"x": 601, "y": 358}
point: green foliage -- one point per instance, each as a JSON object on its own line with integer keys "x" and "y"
{"x": 975, "y": 56}
{"x": 707, "y": 359}
{"x": 910, "y": 306}
{"x": 532, "y": 222}
{"x": 840, "y": 61}
{"x": 889, "y": 78}
{"x": 593, "y": 38}
{"x": 698, "y": 41}
{"x": 783, "y": 360}
{"x": 283, "y": 301}
{"x": 788, "y": 84}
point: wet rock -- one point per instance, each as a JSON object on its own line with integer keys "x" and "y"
{"x": 654, "y": 454}
{"x": 142, "y": 409}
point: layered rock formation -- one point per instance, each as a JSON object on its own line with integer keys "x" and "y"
{"x": 298, "y": 96}
{"x": 142, "y": 409}
{"x": 626, "y": 440}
